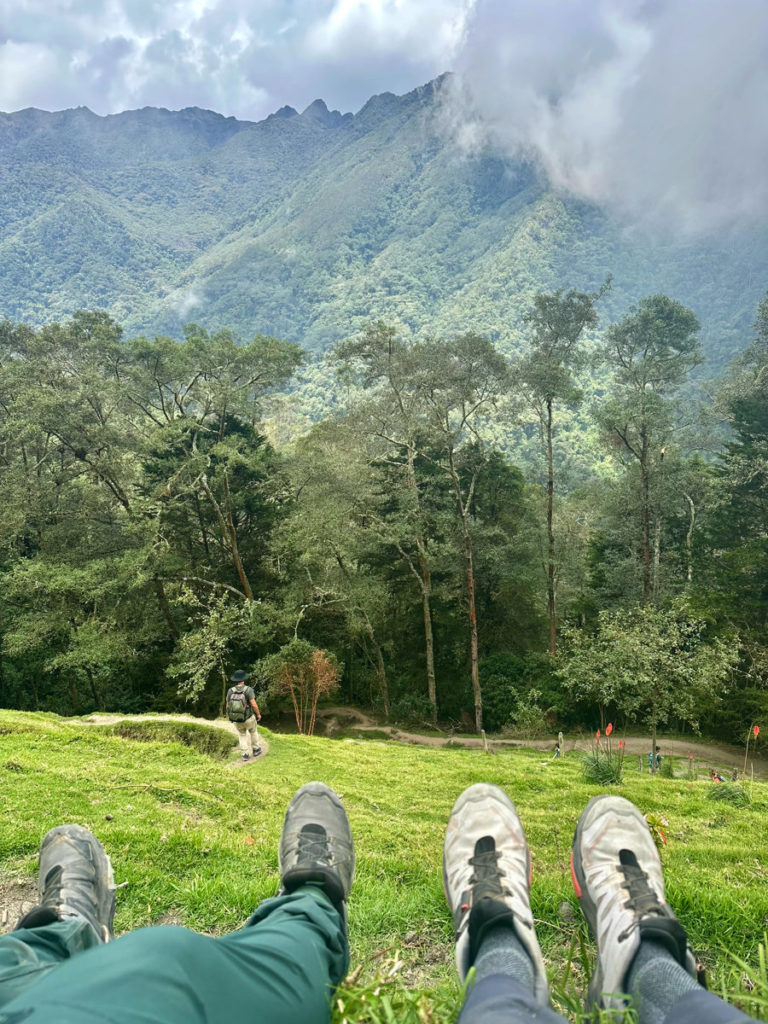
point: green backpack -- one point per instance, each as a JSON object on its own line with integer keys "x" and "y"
{"x": 238, "y": 706}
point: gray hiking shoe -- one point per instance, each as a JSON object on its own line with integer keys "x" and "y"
{"x": 617, "y": 877}
{"x": 75, "y": 881}
{"x": 316, "y": 844}
{"x": 487, "y": 877}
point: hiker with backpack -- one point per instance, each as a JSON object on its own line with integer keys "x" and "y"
{"x": 243, "y": 711}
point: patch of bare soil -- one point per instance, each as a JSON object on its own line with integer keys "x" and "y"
{"x": 17, "y": 897}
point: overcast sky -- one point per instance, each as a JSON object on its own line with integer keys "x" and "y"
{"x": 657, "y": 107}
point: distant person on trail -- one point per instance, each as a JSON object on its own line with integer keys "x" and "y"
{"x": 557, "y": 750}
{"x": 715, "y": 776}
{"x": 658, "y": 759}
{"x": 60, "y": 965}
{"x": 242, "y": 709}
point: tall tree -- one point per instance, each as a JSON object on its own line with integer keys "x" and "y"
{"x": 558, "y": 321}
{"x": 651, "y": 352}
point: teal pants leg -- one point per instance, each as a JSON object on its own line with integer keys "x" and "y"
{"x": 281, "y": 968}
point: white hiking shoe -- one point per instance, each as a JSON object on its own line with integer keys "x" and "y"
{"x": 617, "y": 877}
{"x": 487, "y": 877}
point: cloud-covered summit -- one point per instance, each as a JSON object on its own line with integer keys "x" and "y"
{"x": 654, "y": 107}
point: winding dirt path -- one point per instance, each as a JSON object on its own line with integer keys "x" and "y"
{"x": 717, "y": 755}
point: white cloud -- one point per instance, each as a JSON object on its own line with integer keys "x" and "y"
{"x": 655, "y": 108}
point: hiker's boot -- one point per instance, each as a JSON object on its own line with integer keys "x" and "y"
{"x": 246, "y": 757}
{"x": 256, "y": 751}
{"x": 617, "y": 877}
{"x": 75, "y": 881}
{"x": 487, "y": 877}
{"x": 316, "y": 845}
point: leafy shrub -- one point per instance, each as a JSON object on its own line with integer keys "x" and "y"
{"x": 506, "y": 679}
{"x": 601, "y": 768}
{"x": 730, "y": 793}
{"x": 530, "y": 719}
{"x": 666, "y": 768}
{"x": 411, "y": 709}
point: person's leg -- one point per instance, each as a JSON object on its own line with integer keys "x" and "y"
{"x": 244, "y": 739}
{"x": 253, "y": 735}
{"x": 643, "y": 953}
{"x": 76, "y": 893}
{"x": 285, "y": 962}
{"x": 486, "y": 876}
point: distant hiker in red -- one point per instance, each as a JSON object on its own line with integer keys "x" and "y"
{"x": 242, "y": 709}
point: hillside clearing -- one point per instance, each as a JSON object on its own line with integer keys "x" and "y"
{"x": 195, "y": 850}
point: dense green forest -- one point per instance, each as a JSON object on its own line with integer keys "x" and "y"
{"x": 306, "y": 225}
{"x": 158, "y": 530}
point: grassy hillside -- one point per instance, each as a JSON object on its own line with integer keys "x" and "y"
{"x": 194, "y": 834}
{"x": 306, "y": 226}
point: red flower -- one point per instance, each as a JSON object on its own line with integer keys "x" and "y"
{"x": 621, "y": 744}
{"x": 757, "y": 730}
{"x": 597, "y": 734}
{"x": 690, "y": 757}
{"x": 609, "y": 729}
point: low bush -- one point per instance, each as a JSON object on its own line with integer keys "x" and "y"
{"x": 602, "y": 768}
{"x": 729, "y": 793}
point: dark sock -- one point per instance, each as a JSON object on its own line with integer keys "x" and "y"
{"x": 656, "y": 981}
{"x": 501, "y": 952}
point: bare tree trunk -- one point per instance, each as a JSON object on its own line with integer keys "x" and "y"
{"x": 426, "y": 592}
{"x": 656, "y": 556}
{"x": 550, "y": 535}
{"x": 425, "y": 582}
{"x": 470, "y": 581}
{"x": 689, "y": 539}
{"x": 228, "y": 526}
{"x": 646, "y": 538}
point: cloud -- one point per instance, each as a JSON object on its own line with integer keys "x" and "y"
{"x": 655, "y": 108}
{"x": 232, "y": 56}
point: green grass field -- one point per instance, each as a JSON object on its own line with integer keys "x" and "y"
{"x": 194, "y": 835}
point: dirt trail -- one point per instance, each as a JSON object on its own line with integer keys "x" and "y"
{"x": 714, "y": 754}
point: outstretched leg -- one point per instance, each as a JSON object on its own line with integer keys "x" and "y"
{"x": 643, "y": 953}
{"x": 74, "y": 913}
{"x": 282, "y": 967}
{"x": 486, "y": 876}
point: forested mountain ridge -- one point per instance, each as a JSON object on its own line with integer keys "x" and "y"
{"x": 307, "y": 226}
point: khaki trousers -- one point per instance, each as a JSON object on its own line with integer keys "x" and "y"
{"x": 248, "y": 734}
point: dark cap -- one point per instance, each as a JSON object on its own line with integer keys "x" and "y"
{"x": 239, "y": 676}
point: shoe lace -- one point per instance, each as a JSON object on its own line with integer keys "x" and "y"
{"x": 312, "y": 845}
{"x": 486, "y": 877}
{"x": 52, "y": 886}
{"x": 643, "y": 899}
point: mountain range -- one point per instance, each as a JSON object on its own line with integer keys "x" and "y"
{"x": 307, "y": 225}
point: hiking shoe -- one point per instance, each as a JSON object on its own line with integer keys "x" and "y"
{"x": 75, "y": 881}
{"x": 246, "y": 757}
{"x": 487, "y": 877}
{"x": 256, "y": 751}
{"x": 316, "y": 844}
{"x": 617, "y": 876}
